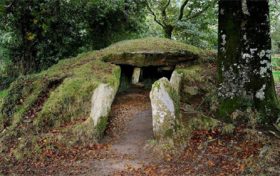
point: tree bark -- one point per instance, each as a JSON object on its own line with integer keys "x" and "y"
{"x": 168, "y": 30}
{"x": 244, "y": 60}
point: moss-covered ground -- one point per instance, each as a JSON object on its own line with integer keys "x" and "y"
{"x": 3, "y": 94}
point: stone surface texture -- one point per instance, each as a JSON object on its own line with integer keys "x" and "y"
{"x": 165, "y": 108}
{"x": 136, "y": 75}
{"x": 102, "y": 100}
{"x": 175, "y": 80}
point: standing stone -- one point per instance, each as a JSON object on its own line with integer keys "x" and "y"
{"x": 102, "y": 100}
{"x": 136, "y": 75}
{"x": 175, "y": 80}
{"x": 165, "y": 108}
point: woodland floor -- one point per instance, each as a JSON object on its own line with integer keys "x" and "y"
{"x": 123, "y": 150}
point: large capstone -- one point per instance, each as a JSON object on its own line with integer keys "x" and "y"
{"x": 102, "y": 100}
{"x": 153, "y": 52}
{"x": 145, "y": 59}
{"x": 165, "y": 108}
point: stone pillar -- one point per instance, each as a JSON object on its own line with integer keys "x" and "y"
{"x": 175, "y": 80}
{"x": 165, "y": 109}
{"x": 136, "y": 75}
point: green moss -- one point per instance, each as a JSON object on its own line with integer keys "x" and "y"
{"x": 66, "y": 88}
{"x": 276, "y": 76}
{"x": 203, "y": 123}
{"x": 176, "y": 99}
{"x": 101, "y": 126}
{"x": 150, "y": 44}
{"x": 150, "y": 51}
{"x": 228, "y": 129}
{"x": 197, "y": 81}
{"x": 3, "y": 94}
{"x": 192, "y": 73}
{"x": 228, "y": 106}
{"x": 81, "y": 133}
{"x": 169, "y": 125}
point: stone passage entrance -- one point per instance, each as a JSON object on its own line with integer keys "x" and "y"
{"x": 143, "y": 76}
{"x": 129, "y": 128}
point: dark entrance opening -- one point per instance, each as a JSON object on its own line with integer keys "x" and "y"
{"x": 155, "y": 73}
{"x": 147, "y": 77}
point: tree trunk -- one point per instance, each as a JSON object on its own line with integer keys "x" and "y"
{"x": 168, "y": 31}
{"x": 244, "y": 59}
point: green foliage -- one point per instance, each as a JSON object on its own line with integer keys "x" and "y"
{"x": 101, "y": 127}
{"x": 275, "y": 25}
{"x": 43, "y": 32}
{"x": 113, "y": 21}
{"x": 191, "y": 21}
{"x": 3, "y": 94}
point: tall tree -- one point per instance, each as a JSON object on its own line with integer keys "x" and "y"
{"x": 245, "y": 59}
{"x": 46, "y": 31}
{"x": 169, "y": 13}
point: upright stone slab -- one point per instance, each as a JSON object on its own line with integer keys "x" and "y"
{"x": 102, "y": 100}
{"x": 165, "y": 108}
{"x": 175, "y": 80}
{"x": 136, "y": 75}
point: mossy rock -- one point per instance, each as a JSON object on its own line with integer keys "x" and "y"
{"x": 165, "y": 109}
{"x": 153, "y": 52}
{"x": 199, "y": 80}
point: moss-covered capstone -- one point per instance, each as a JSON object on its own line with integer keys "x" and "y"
{"x": 152, "y": 52}
{"x": 165, "y": 108}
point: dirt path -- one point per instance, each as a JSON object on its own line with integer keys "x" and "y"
{"x": 129, "y": 130}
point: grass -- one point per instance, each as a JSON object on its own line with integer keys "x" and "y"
{"x": 151, "y": 45}
{"x": 276, "y": 68}
{"x": 36, "y": 104}
{"x": 3, "y": 94}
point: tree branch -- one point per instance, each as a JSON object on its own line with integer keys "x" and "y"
{"x": 153, "y": 13}
{"x": 163, "y": 12}
{"x": 203, "y": 10}
{"x": 182, "y": 8}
